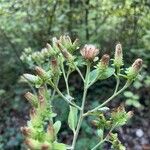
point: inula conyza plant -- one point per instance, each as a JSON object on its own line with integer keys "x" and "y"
{"x": 62, "y": 58}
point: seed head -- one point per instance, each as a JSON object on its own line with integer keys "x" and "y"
{"x": 89, "y": 52}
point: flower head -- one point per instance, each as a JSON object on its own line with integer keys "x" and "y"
{"x": 118, "y": 60}
{"x": 133, "y": 71}
{"x": 104, "y": 62}
{"x": 89, "y": 52}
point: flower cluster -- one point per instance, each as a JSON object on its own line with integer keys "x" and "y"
{"x": 59, "y": 59}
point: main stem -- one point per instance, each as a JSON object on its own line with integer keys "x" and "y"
{"x": 76, "y": 133}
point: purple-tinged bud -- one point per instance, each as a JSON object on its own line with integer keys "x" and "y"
{"x": 31, "y": 78}
{"x": 41, "y": 72}
{"x": 104, "y": 62}
{"x": 118, "y": 60}
{"x": 89, "y": 52}
{"x": 31, "y": 98}
{"x": 133, "y": 71}
{"x": 33, "y": 114}
{"x": 55, "y": 67}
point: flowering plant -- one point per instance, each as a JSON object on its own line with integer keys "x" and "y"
{"x": 41, "y": 132}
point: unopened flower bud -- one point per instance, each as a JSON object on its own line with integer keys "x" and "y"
{"x": 134, "y": 69}
{"x": 32, "y": 144}
{"x": 26, "y": 131}
{"x": 55, "y": 67}
{"x": 31, "y": 78}
{"x": 118, "y": 60}
{"x": 31, "y": 98}
{"x": 46, "y": 146}
{"x": 51, "y": 51}
{"x": 104, "y": 62}
{"x": 64, "y": 52}
{"x": 130, "y": 114}
{"x": 50, "y": 135}
{"x": 45, "y": 52}
{"x": 89, "y": 52}
{"x": 41, "y": 72}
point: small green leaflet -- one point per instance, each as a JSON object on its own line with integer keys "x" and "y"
{"x": 72, "y": 118}
{"x": 59, "y": 146}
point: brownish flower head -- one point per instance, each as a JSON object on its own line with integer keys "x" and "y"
{"x": 134, "y": 69}
{"x": 104, "y": 62}
{"x": 40, "y": 72}
{"x": 32, "y": 144}
{"x": 25, "y": 131}
{"x": 89, "y": 52}
{"x": 31, "y": 98}
{"x": 137, "y": 65}
{"x": 130, "y": 114}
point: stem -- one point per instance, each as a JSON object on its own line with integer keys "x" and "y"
{"x": 76, "y": 133}
{"x": 65, "y": 78}
{"x": 109, "y": 99}
{"x": 102, "y": 141}
{"x": 117, "y": 85}
{"x": 78, "y": 70}
{"x": 60, "y": 93}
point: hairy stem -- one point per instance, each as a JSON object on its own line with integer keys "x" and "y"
{"x": 82, "y": 108}
{"x": 66, "y": 79}
{"x": 109, "y": 99}
{"x": 102, "y": 141}
{"x": 60, "y": 94}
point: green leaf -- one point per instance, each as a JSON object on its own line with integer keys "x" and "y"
{"x": 106, "y": 74}
{"x": 128, "y": 94}
{"x": 72, "y": 118}
{"x": 59, "y": 146}
{"x": 57, "y": 126}
{"x": 100, "y": 133}
{"x": 93, "y": 75}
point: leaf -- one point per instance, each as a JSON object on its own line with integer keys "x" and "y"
{"x": 57, "y": 126}
{"x": 72, "y": 118}
{"x": 59, "y": 146}
{"x": 100, "y": 133}
{"x": 93, "y": 75}
{"x": 106, "y": 74}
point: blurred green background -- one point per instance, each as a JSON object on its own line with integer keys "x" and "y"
{"x": 33, "y": 23}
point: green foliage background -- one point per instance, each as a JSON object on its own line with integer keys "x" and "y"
{"x": 32, "y": 23}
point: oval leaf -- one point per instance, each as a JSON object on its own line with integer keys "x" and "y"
{"x": 106, "y": 74}
{"x": 72, "y": 118}
{"x": 57, "y": 126}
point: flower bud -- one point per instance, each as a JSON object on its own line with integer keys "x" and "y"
{"x": 41, "y": 72}
{"x": 89, "y": 52}
{"x": 64, "y": 52}
{"x": 118, "y": 60}
{"x": 26, "y": 131}
{"x": 51, "y": 51}
{"x": 55, "y": 67}
{"x": 133, "y": 71}
{"x": 130, "y": 114}
{"x": 31, "y": 78}
{"x": 46, "y": 146}
{"x": 31, "y": 98}
{"x": 104, "y": 62}
{"x": 32, "y": 144}
{"x": 50, "y": 135}
{"x": 45, "y": 52}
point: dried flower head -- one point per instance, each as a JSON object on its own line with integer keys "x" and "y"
{"x": 133, "y": 71}
{"x": 118, "y": 60}
{"x": 104, "y": 62}
{"x": 89, "y": 52}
